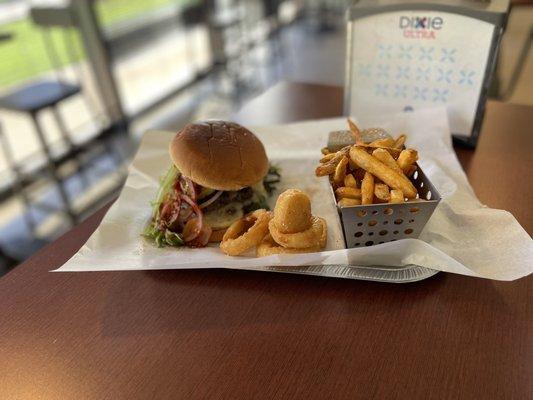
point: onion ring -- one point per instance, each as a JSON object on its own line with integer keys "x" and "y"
{"x": 315, "y": 236}
{"x": 246, "y": 233}
{"x": 269, "y": 247}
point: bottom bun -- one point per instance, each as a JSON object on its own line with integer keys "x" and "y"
{"x": 216, "y": 236}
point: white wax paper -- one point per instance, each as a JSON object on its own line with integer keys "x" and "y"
{"x": 463, "y": 236}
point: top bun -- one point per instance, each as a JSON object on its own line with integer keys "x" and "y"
{"x": 219, "y": 155}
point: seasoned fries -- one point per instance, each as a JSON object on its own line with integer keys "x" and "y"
{"x": 367, "y": 189}
{"x": 399, "y": 142}
{"x": 382, "y": 193}
{"x": 340, "y": 171}
{"x": 345, "y": 202}
{"x": 375, "y": 167}
{"x": 389, "y": 142}
{"x": 356, "y": 133}
{"x": 385, "y": 157}
{"x": 327, "y": 157}
{"x": 382, "y": 168}
{"x": 411, "y": 170}
{"x": 393, "y": 152}
{"x": 349, "y": 181}
{"x": 348, "y": 193}
{"x": 396, "y": 196}
{"x": 407, "y": 158}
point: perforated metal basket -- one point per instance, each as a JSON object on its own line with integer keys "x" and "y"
{"x": 367, "y": 225}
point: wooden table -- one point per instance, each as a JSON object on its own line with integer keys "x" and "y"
{"x": 225, "y": 334}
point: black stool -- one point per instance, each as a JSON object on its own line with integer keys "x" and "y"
{"x": 33, "y": 98}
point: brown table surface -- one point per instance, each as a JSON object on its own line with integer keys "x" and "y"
{"x": 243, "y": 335}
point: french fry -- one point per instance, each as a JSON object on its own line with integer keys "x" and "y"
{"x": 375, "y": 167}
{"x": 410, "y": 171}
{"x": 381, "y": 191}
{"x": 349, "y": 181}
{"x": 352, "y": 164}
{"x": 325, "y": 151}
{"x": 356, "y": 133}
{"x": 393, "y": 152}
{"x": 387, "y": 142}
{"x": 396, "y": 196}
{"x": 348, "y": 193}
{"x": 327, "y": 158}
{"x": 400, "y": 141}
{"x": 385, "y": 157}
{"x": 340, "y": 171}
{"x": 367, "y": 189}
{"x": 345, "y": 202}
{"x": 328, "y": 167}
{"x": 325, "y": 169}
{"x": 407, "y": 158}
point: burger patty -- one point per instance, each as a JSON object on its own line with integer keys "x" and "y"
{"x": 239, "y": 196}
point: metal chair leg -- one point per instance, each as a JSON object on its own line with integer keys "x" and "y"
{"x": 66, "y": 137}
{"x": 18, "y": 188}
{"x": 53, "y": 170}
{"x": 61, "y": 125}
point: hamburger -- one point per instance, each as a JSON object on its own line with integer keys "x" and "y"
{"x": 220, "y": 172}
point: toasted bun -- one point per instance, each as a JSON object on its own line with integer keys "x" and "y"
{"x": 219, "y": 155}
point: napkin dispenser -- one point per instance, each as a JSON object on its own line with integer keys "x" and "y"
{"x": 405, "y": 55}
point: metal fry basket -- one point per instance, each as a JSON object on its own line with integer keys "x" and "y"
{"x": 371, "y": 224}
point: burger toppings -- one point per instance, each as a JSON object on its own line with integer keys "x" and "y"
{"x": 185, "y": 213}
{"x": 177, "y": 219}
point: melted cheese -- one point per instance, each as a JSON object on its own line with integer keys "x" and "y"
{"x": 225, "y": 216}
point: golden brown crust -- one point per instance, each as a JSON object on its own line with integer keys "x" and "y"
{"x": 315, "y": 236}
{"x": 268, "y": 247}
{"x": 246, "y": 233}
{"x": 293, "y": 211}
{"x": 220, "y": 155}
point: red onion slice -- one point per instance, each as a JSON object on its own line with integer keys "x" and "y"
{"x": 194, "y": 226}
{"x": 185, "y": 213}
{"x": 211, "y": 200}
{"x": 175, "y": 211}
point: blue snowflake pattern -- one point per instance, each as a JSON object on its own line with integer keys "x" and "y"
{"x": 440, "y": 95}
{"x": 420, "y": 93}
{"x": 423, "y": 74}
{"x": 426, "y": 53}
{"x": 404, "y": 52}
{"x": 381, "y": 89}
{"x": 447, "y": 55}
{"x": 364, "y": 70}
{"x": 466, "y": 77}
{"x": 382, "y": 71}
{"x": 444, "y": 75}
{"x": 403, "y": 72}
{"x": 384, "y": 51}
{"x": 400, "y": 91}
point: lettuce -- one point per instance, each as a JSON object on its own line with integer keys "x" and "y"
{"x": 152, "y": 230}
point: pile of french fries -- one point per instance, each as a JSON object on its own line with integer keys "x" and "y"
{"x": 370, "y": 173}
